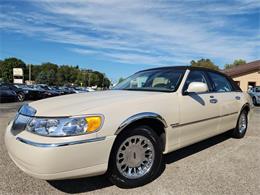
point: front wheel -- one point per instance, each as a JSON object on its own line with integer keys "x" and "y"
{"x": 242, "y": 123}
{"x": 136, "y": 157}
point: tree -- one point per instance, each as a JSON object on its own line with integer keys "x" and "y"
{"x": 107, "y": 83}
{"x": 46, "y": 77}
{"x": 93, "y": 79}
{"x": 206, "y": 63}
{"x": 6, "y": 68}
{"x": 121, "y": 79}
{"x": 67, "y": 74}
{"x": 235, "y": 63}
{"x": 1, "y": 79}
{"x": 53, "y": 74}
{"x": 41, "y": 77}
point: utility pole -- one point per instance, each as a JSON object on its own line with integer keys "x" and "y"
{"x": 88, "y": 79}
{"x": 30, "y": 73}
{"x": 103, "y": 80}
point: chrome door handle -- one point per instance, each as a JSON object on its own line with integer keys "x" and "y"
{"x": 213, "y": 101}
{"x": 237, "y": 98}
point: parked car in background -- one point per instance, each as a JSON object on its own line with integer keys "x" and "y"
{"x": 255, "y": 94}
{"x": 126, "y": 131}
{"x": 47, "y": 90}
{"x": 21, "y": 94}
{"x": 80, "y": 90}
{"x": 7, "y": 94}
{"x": 67, "y": 90}
{"x": 56, "y": 89}
{"x": 90, "y": 89}
{"x": 63, "y": 90}
{"x": 31, "y": 93}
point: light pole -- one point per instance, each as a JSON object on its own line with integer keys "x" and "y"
{"x": 30, "y": 73}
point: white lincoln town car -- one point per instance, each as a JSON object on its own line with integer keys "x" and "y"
{"x": 124, "y": 132}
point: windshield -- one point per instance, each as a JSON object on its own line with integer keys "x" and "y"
{"x": 44, "y": 87}
{"x": 257, "y": 89}
{"x": 21, "y": 86}
{"x": 152, "y": 80}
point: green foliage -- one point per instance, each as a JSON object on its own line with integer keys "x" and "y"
{"x": 52, "y": 74}
{"x": 235, "y": 63}
{"x": 46, "y": 77}
{"x": 6, "y": 68}
{"x": 206, "y": 63}
{"x": 121, "y": 79}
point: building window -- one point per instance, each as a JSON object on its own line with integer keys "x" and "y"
{"x": 238, "y": 83}
{"x": 251, "y": 85}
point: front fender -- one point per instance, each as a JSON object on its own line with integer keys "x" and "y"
{"x": 139, "y": 116}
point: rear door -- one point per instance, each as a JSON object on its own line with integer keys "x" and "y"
{"x": 199, "y": 112}
{"x": 228, "y": 98}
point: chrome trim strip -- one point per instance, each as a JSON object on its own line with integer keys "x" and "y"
{"x": 51, "y": 145}
{"x": 193, "y": 122}
{"x": 229, "y": 114}
{"x": 143, "y": 115}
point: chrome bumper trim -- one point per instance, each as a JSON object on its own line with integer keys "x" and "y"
{"x": 50, "y": 145}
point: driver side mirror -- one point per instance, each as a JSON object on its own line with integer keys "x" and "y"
{"x": 197, "y": 87}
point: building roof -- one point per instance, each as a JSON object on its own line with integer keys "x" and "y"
{"x": 243, "y": 69}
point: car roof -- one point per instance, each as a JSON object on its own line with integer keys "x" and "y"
{"x": 184, "y": 68}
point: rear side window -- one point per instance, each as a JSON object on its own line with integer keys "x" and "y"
{"x": 220, "y": 83}
{"x": 257, "y": 89}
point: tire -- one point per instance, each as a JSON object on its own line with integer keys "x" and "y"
{"x": 147, "y": 151}
{"x": 242, "y": 124}
{"x": 20, "y": 97}
{"x": 254, "y": 101}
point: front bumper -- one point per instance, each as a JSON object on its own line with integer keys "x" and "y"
{"x": 60, "y": 160}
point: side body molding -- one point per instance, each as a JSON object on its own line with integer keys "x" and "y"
{"x": 136, "y": 117}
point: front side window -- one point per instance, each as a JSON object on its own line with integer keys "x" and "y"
{"x": 3, "y": 87}
{"x": 195, "y": 76}
{"x": 153, "y": 80}
{"x": 221, "y": 83}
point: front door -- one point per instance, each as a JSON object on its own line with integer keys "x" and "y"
{"x": 199, "y": 112}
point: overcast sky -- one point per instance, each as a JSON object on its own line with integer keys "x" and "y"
{"x": 119, "y": 37}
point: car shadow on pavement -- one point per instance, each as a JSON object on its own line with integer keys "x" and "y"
{"x": 74, "y": 186}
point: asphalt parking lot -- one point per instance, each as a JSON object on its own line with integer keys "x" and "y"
{"x": 220, "y": 165}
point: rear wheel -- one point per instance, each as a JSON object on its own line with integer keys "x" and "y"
{"x": 242, "y": 123}
{"x": 254, "y": 101}
{"x": 21, "y": 97}
{"x": 136, "y": 157}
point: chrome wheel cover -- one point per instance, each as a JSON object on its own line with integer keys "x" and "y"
{"x": 20, "y": 97}
{"x": 242, "y": 123}
{"x": 135, "y": 157}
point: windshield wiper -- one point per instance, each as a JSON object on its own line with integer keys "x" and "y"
{"x": 146, "y": 89}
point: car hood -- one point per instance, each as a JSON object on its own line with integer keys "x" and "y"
{"x": 83, "y": 103}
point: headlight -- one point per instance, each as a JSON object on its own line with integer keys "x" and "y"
{"x": 65, "y": 126}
